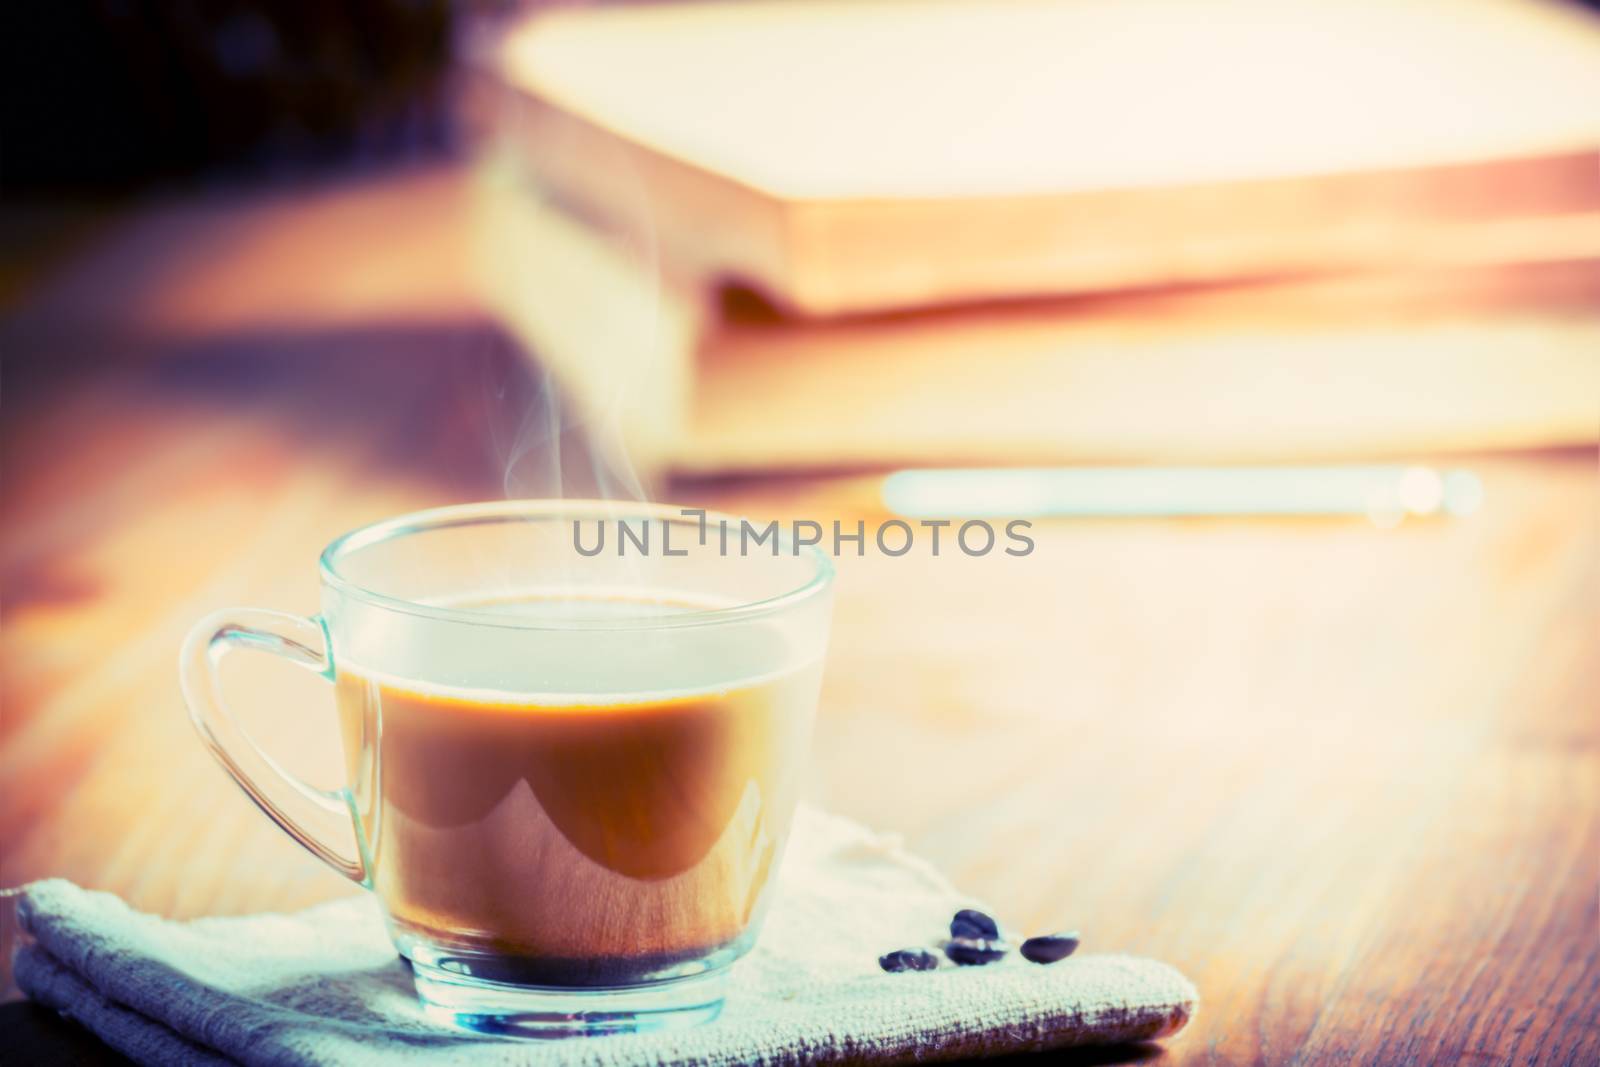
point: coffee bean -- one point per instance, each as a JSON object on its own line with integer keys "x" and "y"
{"x": 1050, "y": 948}
{"x": 973, "y": 951}
{"x": 908, "y": 959}
{"x": 971, "y": 925}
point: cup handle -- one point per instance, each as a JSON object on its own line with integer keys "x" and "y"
{"x": 324, "y": 822}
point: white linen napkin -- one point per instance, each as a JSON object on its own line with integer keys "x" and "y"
{"x": 324, "y": 986}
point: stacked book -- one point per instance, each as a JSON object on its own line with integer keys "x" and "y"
{"x": 775, "y": 235}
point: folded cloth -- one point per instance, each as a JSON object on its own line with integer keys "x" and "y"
{"x": 324, "y": 986}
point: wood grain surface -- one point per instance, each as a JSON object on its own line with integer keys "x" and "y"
{"x": 1346, "y": 778}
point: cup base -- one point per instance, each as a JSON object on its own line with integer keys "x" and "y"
{"x": 543, "y": 1012}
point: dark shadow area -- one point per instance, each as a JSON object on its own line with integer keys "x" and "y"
{"x": 111, "y": 96}
{"x": 35, "y": 1035}
{"x": 457, "y": 404}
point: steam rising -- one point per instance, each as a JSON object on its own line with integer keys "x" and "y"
{"x": 589, "y": 316}
{"x": 543, "y": 446}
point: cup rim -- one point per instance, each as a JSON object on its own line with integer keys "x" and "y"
{"x": 544, "y": 510}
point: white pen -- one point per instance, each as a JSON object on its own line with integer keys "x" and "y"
{"x": 1383, "y": 493}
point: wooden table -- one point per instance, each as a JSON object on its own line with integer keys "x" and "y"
{"x": 1347, "y": 779}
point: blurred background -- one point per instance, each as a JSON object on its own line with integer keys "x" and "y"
{"x": 758, "y": 239}
{"x": 1281, "y": 322}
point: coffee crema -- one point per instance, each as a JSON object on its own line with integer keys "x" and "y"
{"x": 592, "y": 839}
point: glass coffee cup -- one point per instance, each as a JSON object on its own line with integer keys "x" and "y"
{"x": 574, "y": 734}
